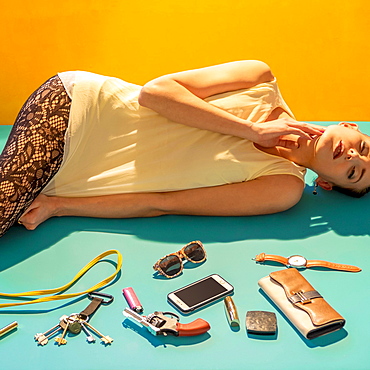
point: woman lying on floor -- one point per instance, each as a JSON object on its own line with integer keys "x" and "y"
{"x": 213, "y": 141}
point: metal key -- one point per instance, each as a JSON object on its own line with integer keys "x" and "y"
{"x": 89, "y": 337}
{"x": 62, "y": 340}
{"x": 82, "y": 319}
{"x": 43, "y": 338}
{"x": 104, "y": 338}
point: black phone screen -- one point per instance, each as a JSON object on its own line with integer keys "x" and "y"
{"x": 201, "y": 291}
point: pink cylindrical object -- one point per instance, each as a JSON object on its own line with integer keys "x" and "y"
{"x": 132, "y": 300}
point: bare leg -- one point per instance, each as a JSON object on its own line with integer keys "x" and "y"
{"x": 34, "y": 150}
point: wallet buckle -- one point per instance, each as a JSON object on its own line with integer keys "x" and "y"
{"x": 300, "y": 297}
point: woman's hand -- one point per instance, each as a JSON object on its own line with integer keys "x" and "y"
{"x": 41, "y": 209}
{"x": 274, "y": 133}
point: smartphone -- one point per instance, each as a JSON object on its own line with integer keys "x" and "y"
{"x": 200, "y": 293}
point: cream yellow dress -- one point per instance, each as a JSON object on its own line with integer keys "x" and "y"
{"x": 113, "y": 145}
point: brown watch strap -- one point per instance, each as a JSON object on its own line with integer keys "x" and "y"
{"x": 333, "y": 266}
{"x": 262, "y": 257}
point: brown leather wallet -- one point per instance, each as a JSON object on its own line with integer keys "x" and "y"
{"x": 306, "y": 309}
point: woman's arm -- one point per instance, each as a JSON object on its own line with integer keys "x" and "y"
{"x": 265, "y": 195}
{"x": 108, "y": 206}
{"x": 179, "y": 97}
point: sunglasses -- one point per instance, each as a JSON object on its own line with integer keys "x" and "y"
{"x": 171, "y": 265}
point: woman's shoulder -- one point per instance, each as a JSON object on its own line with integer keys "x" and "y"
{"x": 94, "y": 82}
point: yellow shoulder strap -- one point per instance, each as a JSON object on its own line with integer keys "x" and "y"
{"x": 66, "y": 286}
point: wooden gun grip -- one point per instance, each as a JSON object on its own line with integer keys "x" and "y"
{"x": 196, "y": 327}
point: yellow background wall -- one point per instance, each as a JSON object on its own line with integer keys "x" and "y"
{"x": 318, "y": 49}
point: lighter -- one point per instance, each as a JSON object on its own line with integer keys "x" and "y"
{"x": 132, "y": 300}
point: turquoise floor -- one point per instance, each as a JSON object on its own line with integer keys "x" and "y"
{"x": 328, "y": 226}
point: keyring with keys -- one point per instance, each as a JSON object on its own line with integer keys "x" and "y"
{"x": 76, "y": 322}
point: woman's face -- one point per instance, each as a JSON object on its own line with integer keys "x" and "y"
{"x": 342, "y": 157}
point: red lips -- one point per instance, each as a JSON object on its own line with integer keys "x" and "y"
{"x": 338, "y": 151}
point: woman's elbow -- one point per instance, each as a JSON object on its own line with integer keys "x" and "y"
{"x": 290, "y": 201}
{"x": 144, "y": 95}
{"x": 150, "y": 91}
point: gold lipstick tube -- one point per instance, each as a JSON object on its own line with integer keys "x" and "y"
{"x": 231, "y": 312}
{"x": 8, "y": 328}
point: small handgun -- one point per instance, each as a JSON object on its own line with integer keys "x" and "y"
{"x": 167, "y": 323}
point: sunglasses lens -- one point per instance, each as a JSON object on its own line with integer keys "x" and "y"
{"x": 194, "y": 252}
{"x": 170, "y": 265}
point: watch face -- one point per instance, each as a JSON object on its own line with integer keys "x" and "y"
{"x": 297, "y": 261}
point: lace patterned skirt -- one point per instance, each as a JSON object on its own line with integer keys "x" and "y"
{"x": 34, "y": 150}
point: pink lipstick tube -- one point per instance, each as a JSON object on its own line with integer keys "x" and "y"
{"x": 132, "y": 300}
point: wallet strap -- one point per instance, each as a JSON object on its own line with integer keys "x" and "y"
{"x": 304, "y": 297}
{"x": 295, "y": 285}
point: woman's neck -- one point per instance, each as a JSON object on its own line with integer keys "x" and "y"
{"x": 302, "y": 154}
